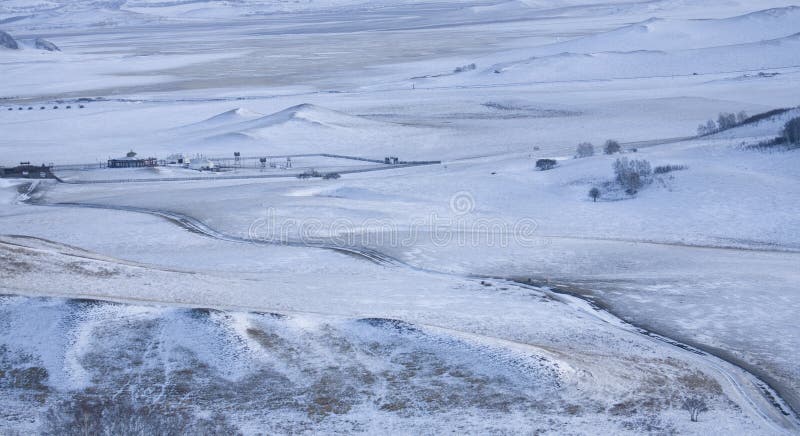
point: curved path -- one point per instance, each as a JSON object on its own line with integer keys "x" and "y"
{"x": 762, "y": 400}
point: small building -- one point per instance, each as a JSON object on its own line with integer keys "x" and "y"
{"x": 175, "y": 159}
{"x": 131, "y": 161}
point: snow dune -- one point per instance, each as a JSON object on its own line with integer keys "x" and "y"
{"x": 228, "y": 117}
{"x": 307, "y": 115}
{"x": 303, "y": 128}
{"x": 674, "y": 34}
{"x": 767, "y": 39}
{"x": 767, "y": 55}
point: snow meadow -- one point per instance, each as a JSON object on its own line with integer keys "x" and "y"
{"x": 399, "y": 217}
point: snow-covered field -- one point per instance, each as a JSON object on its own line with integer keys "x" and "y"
{"x": 375, "y": 314}
{"x": 330, "y": 358}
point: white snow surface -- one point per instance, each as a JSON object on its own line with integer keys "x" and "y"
{"x": 707, "y": 255}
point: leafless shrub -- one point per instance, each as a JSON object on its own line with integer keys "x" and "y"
{"x": 584, "y": 149}
{"x": 664, "y": 169}
{"x": 465, "y": 68}
{"x": 611, "y": 146}
{"x": 649, "y": 423}
{"x": 708, "y": 128}
{"x": 309, "y": 174}
{"x": 778, "y": 143}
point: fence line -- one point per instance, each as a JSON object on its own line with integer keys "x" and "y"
{"x": 242, "y": 177}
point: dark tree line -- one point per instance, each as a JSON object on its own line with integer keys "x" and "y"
{"x": 545, "y": 164}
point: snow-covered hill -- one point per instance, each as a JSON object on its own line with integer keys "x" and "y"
{"x": 299, "y": 129}
{"x": 763, "y": 40}
{"x": 407, "y": 335}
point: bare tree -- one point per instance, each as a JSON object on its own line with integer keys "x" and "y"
{"x": 585, "y": 149}
{"x": 741, "y": 117}
{"x": 702, "y": 130}
{"x": 707, "y": 128}
{"x": 695, "y": 406}
{"x": 594, "y": 194}
{"x": 611, "y": 147}
{"x": 711, "y": 126}
{"x": 726, "y": 120}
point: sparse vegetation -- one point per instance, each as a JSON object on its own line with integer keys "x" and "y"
{"x": 545, "y": 164}
{"x": 649, "y": 423}
{"x": 769, "y": 144}
{"x": 584, "y": 149}
{"x": 611, "y": 146}
{"x": 664, "y": 169}
{"x": 465, "y": 68}
{"x": 88, "y": 415}
{"x": 309, "y": 174}
{"x": 331, "y": 176}
{"x": 633, "y": 174}
{"x": 789, "y": 139}
{"x": 791, "y": 132}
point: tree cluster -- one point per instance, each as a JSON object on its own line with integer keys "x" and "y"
{"x": 632, "y": 174}
{"x": 725, "y": 120}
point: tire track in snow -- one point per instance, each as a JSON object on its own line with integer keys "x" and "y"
{"x": 710, "y": 360}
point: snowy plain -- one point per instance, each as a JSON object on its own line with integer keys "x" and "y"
{"x": 708, "y": 256}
